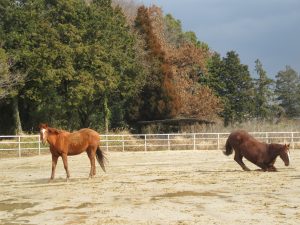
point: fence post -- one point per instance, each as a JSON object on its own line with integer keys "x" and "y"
{"x": 123, "y": 145}
{"x": 169, "y": 142}
{"x": 145, "y": 142}
{"x": 293, "y": 143}
{"x": 218, "y": 147}
{"x": 194, "y": 137}
{"x": 39, "y": 144}
{"x": 19, "y": 138}
{"x": 106, "y": 140}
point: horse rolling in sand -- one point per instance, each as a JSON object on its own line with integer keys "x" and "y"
{"x": 261, "y": 154}
{"x": 63, "y": 143}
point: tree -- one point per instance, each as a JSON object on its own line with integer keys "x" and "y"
{"x": 158, "y": 98}
{"x": 188, "y": 61}
{"x": 14, "y": 30}
{"x": 8, "y": 80}
{"x": 9, "y": 83}
{"x": 80, "y": 61}
{"x": 264, "y": 108}
{"x": 231, "y": 81}
{"x": 129, "y": 8}
{"x": 288, "y": 91}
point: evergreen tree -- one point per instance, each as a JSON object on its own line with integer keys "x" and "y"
{"x": 263, "y": 93}
{"x": 239, "y": 90}
{"x": 79, "y": 60}
{"x": 232, "y": 82}
{"x": 288, "y": 91}
{"x": 213, "y": 77}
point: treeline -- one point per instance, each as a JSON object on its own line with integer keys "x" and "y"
{"x": 108, "y": 65}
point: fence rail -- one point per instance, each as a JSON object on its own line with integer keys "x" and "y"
{"x": 24, "y": 145}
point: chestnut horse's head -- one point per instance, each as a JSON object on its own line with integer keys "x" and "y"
{"x": 285, "y": 154}
{"x": 43, "y": 132}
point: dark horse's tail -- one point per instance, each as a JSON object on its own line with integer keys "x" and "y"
{"x": 228, "y": 147}
{"x": 101, "y": 158}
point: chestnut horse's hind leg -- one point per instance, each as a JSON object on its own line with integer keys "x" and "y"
{"x": 239, "y": 159}
{"x": 92, "y": 154}
{"x": 54, "y": 163}
{"x": 65, "y": 161}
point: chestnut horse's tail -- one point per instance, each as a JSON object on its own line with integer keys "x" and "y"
{"x": 228, "y": 147}
{"x": 101, "y": 158}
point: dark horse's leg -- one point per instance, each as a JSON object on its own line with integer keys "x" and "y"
{"x": 239, "y": 159}
{"x": 266, "y": 167}
{"x": 65, "y": 161}
{"x": 91, "y": 154}
{"x": 271, "y": 168}
{"x": 54, "y": 162}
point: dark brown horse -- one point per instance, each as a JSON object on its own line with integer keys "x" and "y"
{"x": 261, "y": 154}
{"x": 63, "y": 143}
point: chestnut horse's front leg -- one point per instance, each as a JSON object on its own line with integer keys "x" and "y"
{"x": 65, "y": 161}
{"x": 54, "y": 162}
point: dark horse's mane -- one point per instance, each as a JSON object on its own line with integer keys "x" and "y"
{"x": 273, "y": 147}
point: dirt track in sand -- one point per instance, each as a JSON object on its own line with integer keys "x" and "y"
{"x": 170, "y": 187}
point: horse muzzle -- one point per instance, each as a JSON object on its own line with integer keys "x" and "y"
{"x": 287, "y": 163}
{"x": 44, "y": 141}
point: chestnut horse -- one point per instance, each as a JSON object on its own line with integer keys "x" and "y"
{"x": 261, "y": 154}
{"x": 63, "y": 143}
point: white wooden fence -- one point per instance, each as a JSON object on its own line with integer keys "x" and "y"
{"x": 31, "y": 144}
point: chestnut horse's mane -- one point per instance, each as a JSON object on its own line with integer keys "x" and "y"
{"x": 55, "y": 131}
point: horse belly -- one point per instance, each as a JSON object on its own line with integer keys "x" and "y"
{"x": 250, "y": 156}
{"x": 75, "y": 150}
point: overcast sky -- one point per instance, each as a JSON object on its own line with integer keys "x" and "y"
{"x": 268, "y": 30}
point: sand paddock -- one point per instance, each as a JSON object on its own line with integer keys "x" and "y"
{"x": 167, "y": 187}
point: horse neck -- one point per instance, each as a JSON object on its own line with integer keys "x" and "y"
{"x": 53, "y": 135}
{"x": 52, "y": 138}
{"x": 274, "y": 150}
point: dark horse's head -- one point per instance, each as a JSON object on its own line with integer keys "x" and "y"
{"x": 285, "y": 154}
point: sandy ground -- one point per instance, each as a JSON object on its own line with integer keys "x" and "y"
{"x": 170, "y": 187}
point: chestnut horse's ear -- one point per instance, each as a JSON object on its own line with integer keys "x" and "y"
{"x": 43, "y": 125}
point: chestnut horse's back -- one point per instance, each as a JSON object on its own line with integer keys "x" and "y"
{"x": 90, "y": 135}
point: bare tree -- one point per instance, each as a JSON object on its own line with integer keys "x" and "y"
{"x": 129, "y": 8}
{"x": 9, "y": 87}
{"x": 8, "y": 81}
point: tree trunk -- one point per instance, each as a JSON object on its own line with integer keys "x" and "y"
{"x": 106, "y": 113}
{"x": 16, "y": 116}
